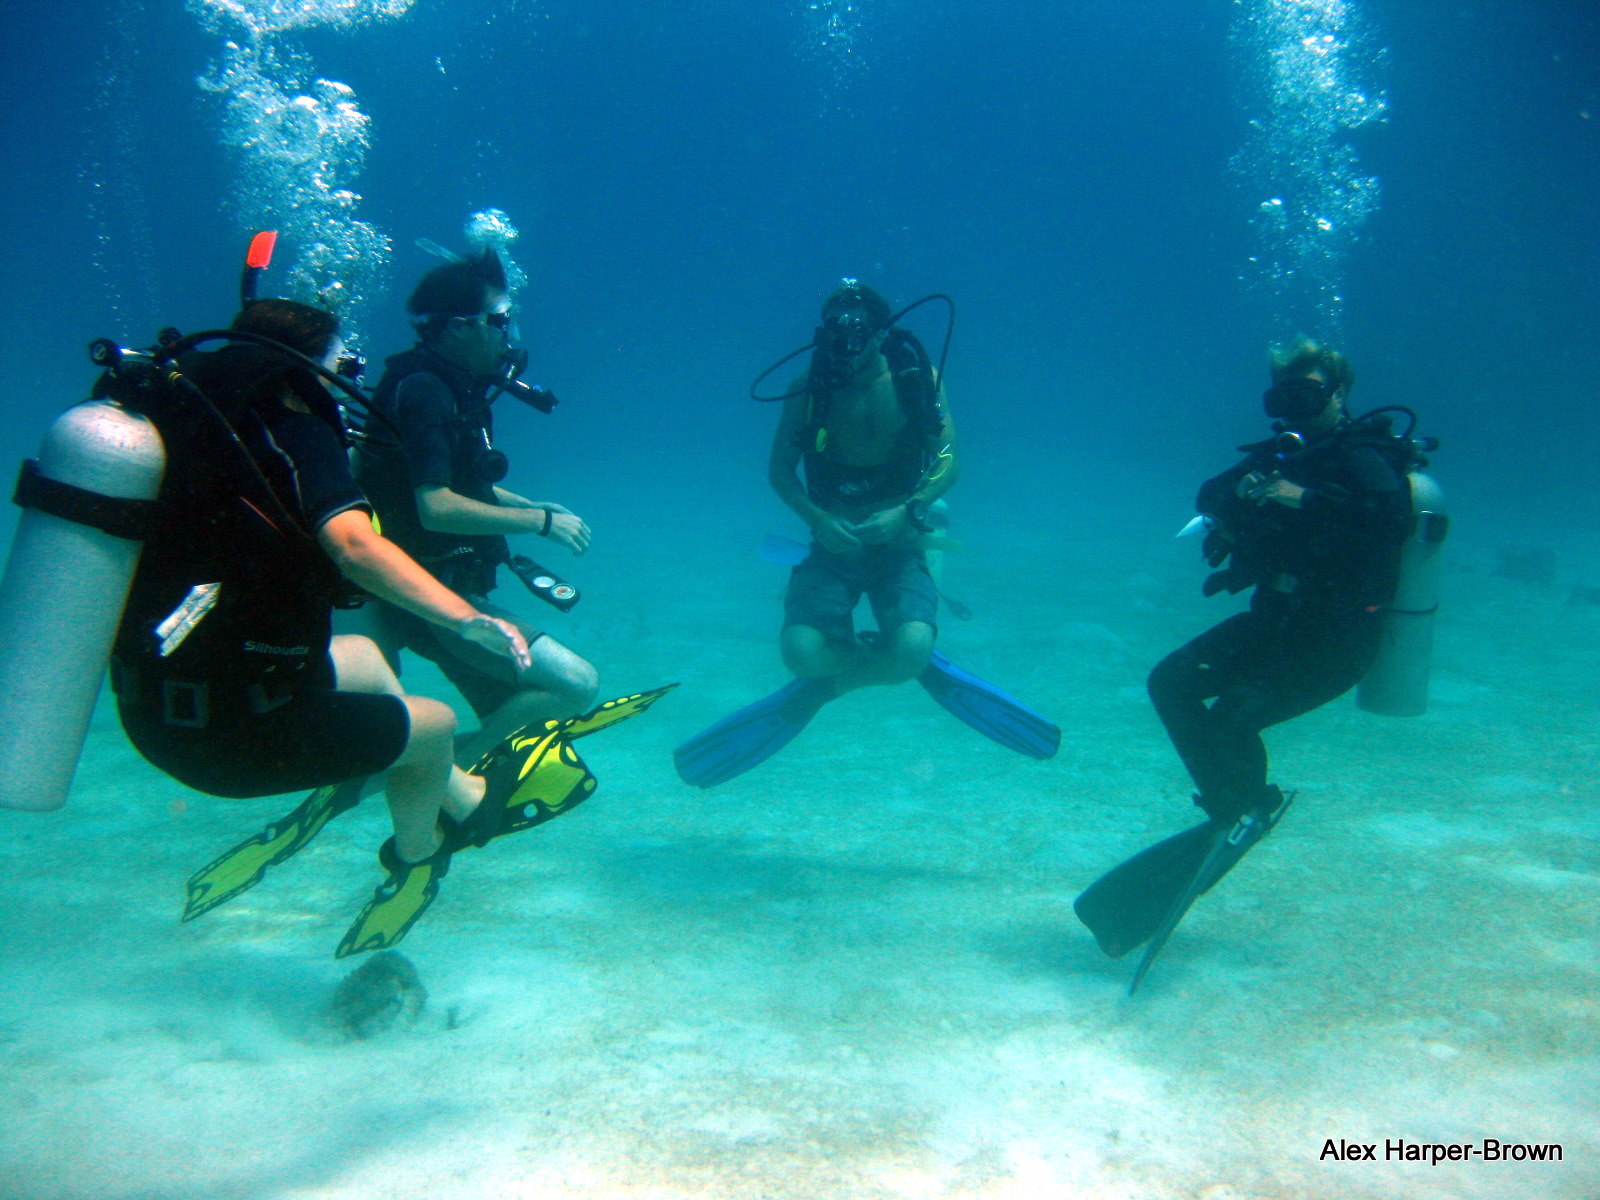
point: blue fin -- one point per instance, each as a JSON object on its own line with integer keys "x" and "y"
{"x": 783, "y": 551}
{"x": 752, "y": 735}
{"x": 993, "y": 713}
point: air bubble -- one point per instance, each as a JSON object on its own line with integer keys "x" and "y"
{"x": 301, "y": 143}
{"x": 1306, "y": 63}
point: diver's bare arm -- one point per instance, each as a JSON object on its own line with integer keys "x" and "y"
{"x": 444, "y": 510}
{"x": 783, "y": 464}
{"x": 511, "y": 500}
{"x": 831, "y": 531}
{"x": 372, "y": 561}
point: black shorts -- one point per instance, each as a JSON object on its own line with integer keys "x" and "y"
{"x": 486, "y": 680}
{"x": 825, "y": 589}
{"x": 319, "y": 736}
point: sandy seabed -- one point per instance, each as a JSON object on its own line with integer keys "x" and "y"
{"x": 855, "y": 974}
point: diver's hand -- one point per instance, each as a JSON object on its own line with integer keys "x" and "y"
{"x": 502, "y": 637}
{"x": 549, "y": 504}
{"x": 567, "y": 529}
{"x": 886, "y": 525}
{"x": 1217, "y": 546}
{"x": 835, "y": 534}
{"x": 1270, "y": 489}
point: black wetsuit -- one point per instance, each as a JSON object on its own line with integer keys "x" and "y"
{"x": 446, "y": 426}
{"x": 1321, "y": 574}
{"x": 245, "y": 704}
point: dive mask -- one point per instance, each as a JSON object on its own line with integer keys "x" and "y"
{"x": 351, "y": 366}
{"x": 845, "y": 333}
{"x": 1297, "y": 399}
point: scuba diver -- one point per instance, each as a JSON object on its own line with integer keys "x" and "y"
{"x": 437, "y": 496}
{"x": 1314, "y": 520}
{"x": 197, "y": 521}
{"x": 869, "y": 424}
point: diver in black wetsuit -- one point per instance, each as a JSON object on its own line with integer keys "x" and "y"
{"x": 439, "y": 499}
{"x": 1313, "y": 520}
{"x": 252, "y": 695}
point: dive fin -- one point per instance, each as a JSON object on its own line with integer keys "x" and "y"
{"x": 1143, "y": 899}
{"x": 995, "y": 714}
{"x": 531, "y": 777}
{"x": 1227, "y": 847}
{"x": 752, "y": 735}
{"x": 608, "y": 714}
{"x": 535, "y": 774}
{"x": 400, "y": 900}
{"x": 1126, "y": 905}
{"x": 241, "y": 868}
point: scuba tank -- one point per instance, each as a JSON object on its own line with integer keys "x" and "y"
{"x": 1397, "y": 684}
{"x": 86, "y": 502}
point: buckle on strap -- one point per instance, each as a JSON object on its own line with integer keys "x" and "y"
{"x": 265, "y": 695}
{"x": 185, "y": 705}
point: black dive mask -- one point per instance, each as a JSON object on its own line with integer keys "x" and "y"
{"x": 1297, "y": 399}
{"x": 845, "y": 333}
{"x": 351, "y": 366}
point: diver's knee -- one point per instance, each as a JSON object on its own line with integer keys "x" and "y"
{"x": 582, "y": 685}
{"x": 1244, "y": 709}
{"x": 1171, "y": 681}
{"x": 433, "y": 729}
{"x": 910, "y": 649}
{"x": 805, "y": 652}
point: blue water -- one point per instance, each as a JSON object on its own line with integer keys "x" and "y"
{"x": 689, "y": 180}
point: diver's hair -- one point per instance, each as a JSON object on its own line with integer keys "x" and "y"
{"x": 1305, "y": 356}
{"x": 850, "y": 292}
{"x": 298, "y": 326}
{"x": 457, "y": 289}
{"x": 246, "y": 375}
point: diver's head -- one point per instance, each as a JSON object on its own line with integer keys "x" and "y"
{"x": 1309, "y": 386}
{"x": 252, "y": 375}
{"x": 854, "y": 318}
{"x": 311, "y": 331}
{"x": 462, "y": 311}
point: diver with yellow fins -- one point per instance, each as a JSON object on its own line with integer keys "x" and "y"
{"x": 196, "y": 522}
{"x": 869, "y": 424}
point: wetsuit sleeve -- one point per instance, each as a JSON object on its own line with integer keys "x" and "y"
{"x": 323, "y": 485}
{"x": 425, "y": 410}
{"x": 1218, "y": 497}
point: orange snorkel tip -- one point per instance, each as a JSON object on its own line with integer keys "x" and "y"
{"x": 262, "y": 245}
{"x": 256, "y": 260}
